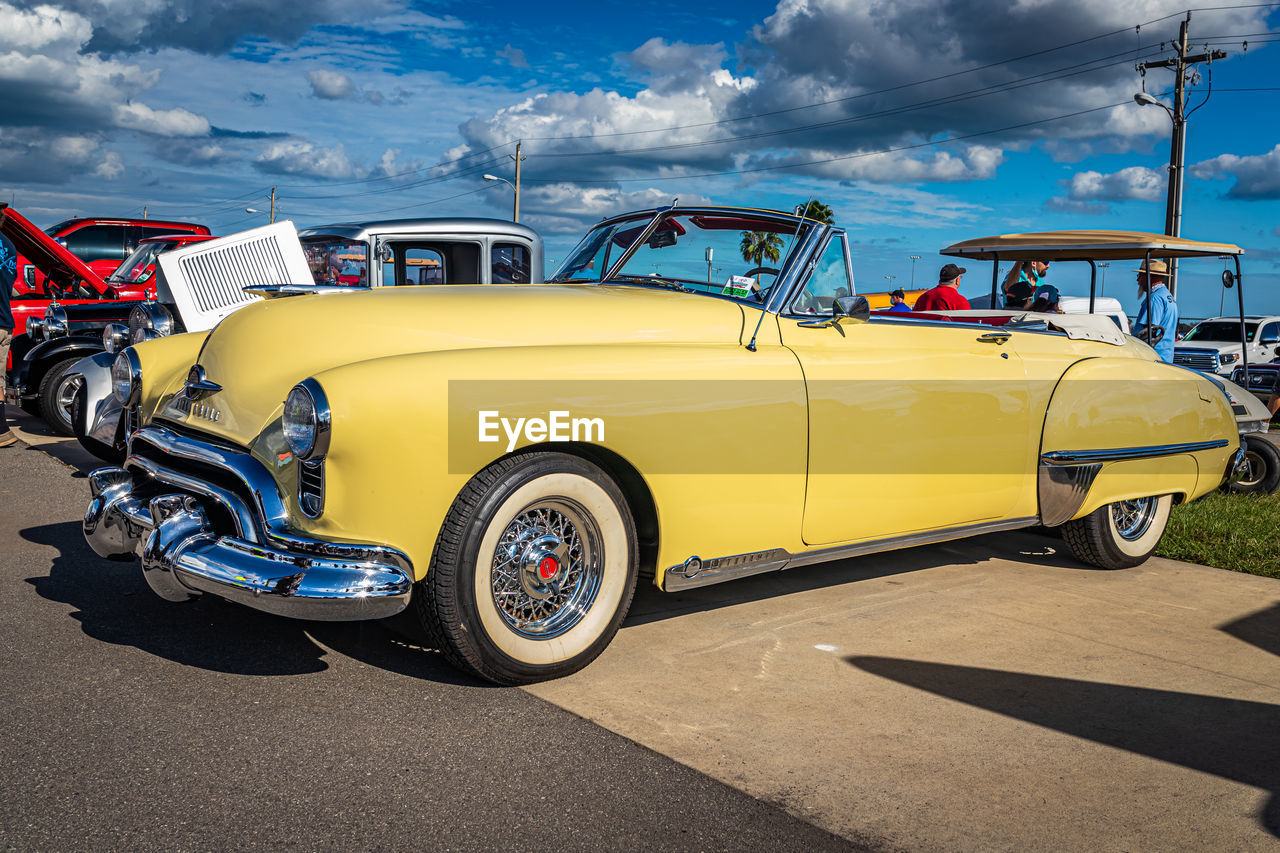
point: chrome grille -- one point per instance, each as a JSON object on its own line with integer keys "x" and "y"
{"x": 311, "y": 486}
{"x": 218, "y": 277}
{"x": 1196, "y": 359}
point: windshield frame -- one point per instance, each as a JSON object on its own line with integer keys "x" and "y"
{"x": 807, "y": 234}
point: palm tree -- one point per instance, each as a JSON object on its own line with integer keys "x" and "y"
{"x": 819, "y": 211}
{"x": 760, "y": 246}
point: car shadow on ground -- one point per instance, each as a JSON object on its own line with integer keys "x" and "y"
{"x": 1231, "y": 738}
{"x": 1038, "y": 546}
{"x": 1260, "y": 629}
{"x": 113, "y": 604}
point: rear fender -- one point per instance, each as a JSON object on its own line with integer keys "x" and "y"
{"x": 1119, "y": 428}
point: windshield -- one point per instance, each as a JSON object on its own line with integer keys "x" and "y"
{"x": 139, "y": 266}
{"x": 337, "y": 261}
{"x": 1221, "y": 331}
{"x": 733, "y": 254}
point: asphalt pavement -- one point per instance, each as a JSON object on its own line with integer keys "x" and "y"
{"x": 131, "y": 723}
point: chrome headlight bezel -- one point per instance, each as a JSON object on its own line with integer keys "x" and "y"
{"x": 115, "y": 337}
{"x": 150, "y": 315}
{"x": 306, "y": 420}
{"x": 126, "y": 377}
{"x": 55, "y": 322}
{"x": 35, "y": 328}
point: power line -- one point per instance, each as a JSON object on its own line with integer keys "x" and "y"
{"x": 833, "y": 159}
{"x": 945, "y": 100}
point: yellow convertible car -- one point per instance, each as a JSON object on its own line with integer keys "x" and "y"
{"x": 507, "y": 461}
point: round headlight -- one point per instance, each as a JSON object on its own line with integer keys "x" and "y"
{"x": 144, "y": 335}
{"x": 305, "y": 421}
{"x": 115, "y": 337}
{"x": 55, "y": 322}
{"x": 35, "y": 328}
{"x": 126, "y": 377}
{"x": 150, "y": 315}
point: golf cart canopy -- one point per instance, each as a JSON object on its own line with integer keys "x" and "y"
{"x": 1086, "y": 245}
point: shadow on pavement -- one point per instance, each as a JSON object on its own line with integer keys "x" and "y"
{"x": 1039, "y": 547}
{"x": 1232, "y": 738}
{"x": 114, "y": 604}
{"x": 1260, "y": 629}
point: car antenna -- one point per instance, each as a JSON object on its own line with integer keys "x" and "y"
{"x": 751, "y": 347}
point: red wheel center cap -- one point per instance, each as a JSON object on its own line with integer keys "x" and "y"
{"x": 547, "y": 568}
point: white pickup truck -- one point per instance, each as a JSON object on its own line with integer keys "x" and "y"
{"x": 1213, "y": 345}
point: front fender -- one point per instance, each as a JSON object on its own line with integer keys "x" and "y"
{"x": 100, "y": 415}
{"x": 717, "y": 434}
{"x": 44, "y": 355}
{"x": 165, "y": 363}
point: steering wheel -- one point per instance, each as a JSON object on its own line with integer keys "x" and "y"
{"x": 1156, "y": 334}
{"x": 763, "y": 293}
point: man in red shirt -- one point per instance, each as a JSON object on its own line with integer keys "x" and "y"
{"x": 946, "y": 296}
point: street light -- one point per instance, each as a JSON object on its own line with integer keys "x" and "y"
{"x": 1103, "y": 287}
{"x": 515, "y": 211}
{"x": 914, "y": 258}
{"x": 891, "y": 278}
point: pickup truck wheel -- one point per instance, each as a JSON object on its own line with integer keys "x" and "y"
{"x": 533, "y": 571}
{"x": 1119, "y": 535}
{"x": 105, "y": 452}
{"x": 57, "y": 393}
{"x": 1263, "y": 474}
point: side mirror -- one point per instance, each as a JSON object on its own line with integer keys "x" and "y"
{"x": 1228, "y": 279}
{"x": 853, "y": 307}
{"x": 385, "y": 254}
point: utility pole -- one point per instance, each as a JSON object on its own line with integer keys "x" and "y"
{"x": 273, "y": 205}
{"x": 1177, "y": 145}
{"x": 518, "y": 157}
{"x": 144, "y": 211}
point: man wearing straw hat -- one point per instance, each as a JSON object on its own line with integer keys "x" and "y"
{"x": 1164, "y": 311}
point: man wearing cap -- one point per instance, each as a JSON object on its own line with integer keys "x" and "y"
{"x": 1164, "y": 311}
{"x": 946, "y": 296}
{"x": 898, "y": 301}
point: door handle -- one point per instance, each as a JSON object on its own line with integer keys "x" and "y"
{"x": 997, "y": 338}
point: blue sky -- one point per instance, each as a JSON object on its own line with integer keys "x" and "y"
{"x": 919, "y": 123}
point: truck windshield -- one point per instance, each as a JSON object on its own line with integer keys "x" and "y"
{"x": 1221, "y": 331}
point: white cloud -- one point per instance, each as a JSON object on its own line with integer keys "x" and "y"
{"x": 331, "y": 85}
{"x": 111, "y": 167}
{"x": 1257, "y": 176}
{"x": 514, "y": 56}
{"x": 305, "y": 158}
{"x": 174, "y": 122}
{"x": 1136, "y": 183}
{"x": 42, "y": 28}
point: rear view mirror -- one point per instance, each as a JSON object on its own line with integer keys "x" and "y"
{"x": 1228, "y": 279}
{"x": 854, "y": 307}
{"x": 662, "y": 239}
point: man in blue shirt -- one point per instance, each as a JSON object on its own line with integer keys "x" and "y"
{"x": 1164, "y": 311}
{"x": 8, "y": 274}
{"x": 898, "y": 301}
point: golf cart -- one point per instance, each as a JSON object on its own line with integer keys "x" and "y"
{"x": 1262, "y": 470}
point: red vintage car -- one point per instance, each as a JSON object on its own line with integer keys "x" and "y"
{"x": 60, "y": 332}
{"x": 102, "y": 243}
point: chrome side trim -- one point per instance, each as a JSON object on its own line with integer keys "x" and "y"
{"x": 759, "y": 562}
{"x": 1119, "y": 454}
{"x": 1062, "y": 490}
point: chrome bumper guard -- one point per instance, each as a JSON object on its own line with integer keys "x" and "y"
{"x": 1237, "y": 467}
{"x": 264, "y": 566}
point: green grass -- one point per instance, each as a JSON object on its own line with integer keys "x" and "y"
{"x": 1236, "y": 532}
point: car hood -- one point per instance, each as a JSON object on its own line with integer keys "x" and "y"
{"x": 261, "y": 351}
{"x": 1211, "y": 346}
{"x": 42, "y": 251}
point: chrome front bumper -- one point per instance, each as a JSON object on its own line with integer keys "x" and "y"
{"x": 163, "y": 516}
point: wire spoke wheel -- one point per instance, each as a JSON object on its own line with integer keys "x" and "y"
{"x": 1133, "y": 518}
{"x": 546, "y": 569}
